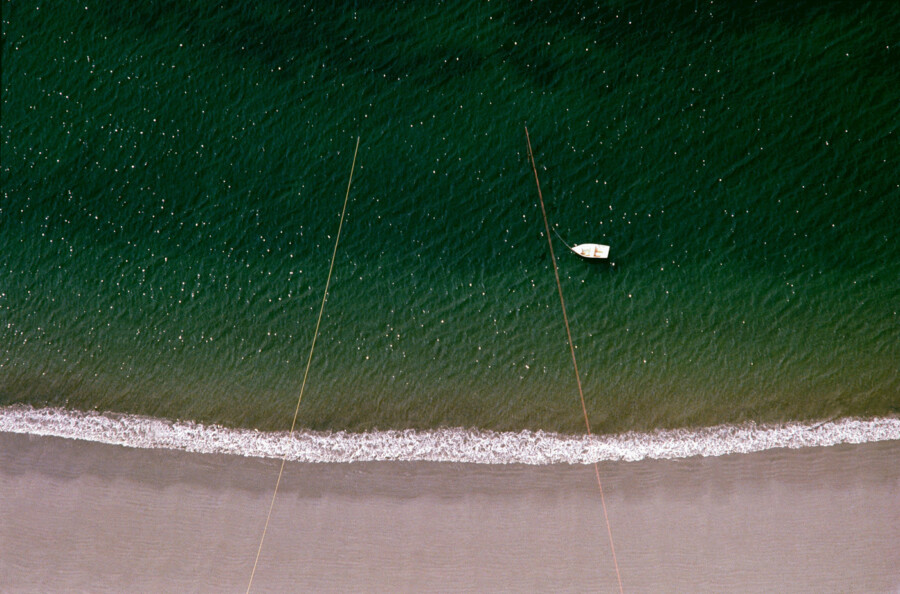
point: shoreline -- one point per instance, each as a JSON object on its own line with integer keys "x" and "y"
{"x": 456, "y": 445}
{"x": 89, "y": 516}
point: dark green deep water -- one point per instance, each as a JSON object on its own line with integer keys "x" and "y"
{"x": 173, "y": 174}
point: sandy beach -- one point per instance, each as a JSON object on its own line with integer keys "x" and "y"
{"x": 80, "y": 516}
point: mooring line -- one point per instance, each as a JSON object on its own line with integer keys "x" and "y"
{"x": 562, "y": 302}
{"x": 308, "y": 362}
{"x": 561, "y": 239}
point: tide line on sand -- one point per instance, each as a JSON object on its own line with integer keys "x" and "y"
{"x": 440, "y": 445}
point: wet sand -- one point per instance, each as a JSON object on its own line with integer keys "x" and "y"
{"x": 80, "y": 516}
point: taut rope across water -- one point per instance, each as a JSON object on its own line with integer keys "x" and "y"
{"x": 572, "y": 350}
{"x": 308, "y": 361}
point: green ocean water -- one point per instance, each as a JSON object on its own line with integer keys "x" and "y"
{"x": 173, "y": 175}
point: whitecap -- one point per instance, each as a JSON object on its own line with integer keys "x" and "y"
{"x": 441, "y": 445}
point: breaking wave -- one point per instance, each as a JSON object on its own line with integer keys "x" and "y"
{"x": 440, "y": 445}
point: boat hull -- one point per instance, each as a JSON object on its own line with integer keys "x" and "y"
{"x": 592, "y": 250}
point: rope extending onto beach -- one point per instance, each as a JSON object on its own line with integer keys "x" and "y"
{"x": 308, "y": 362}
{"x": 572, "y": 350}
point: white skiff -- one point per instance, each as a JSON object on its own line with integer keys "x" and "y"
{"x": 591, "y": 250}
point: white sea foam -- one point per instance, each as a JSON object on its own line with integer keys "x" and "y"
{"x": 440, "y": 445}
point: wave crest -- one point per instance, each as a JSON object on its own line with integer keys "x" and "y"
{"x": 440, "y": 445}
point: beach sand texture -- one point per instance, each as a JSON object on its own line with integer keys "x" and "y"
{"x": 81, "y": 516}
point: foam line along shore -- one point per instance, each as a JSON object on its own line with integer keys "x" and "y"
{"x": 441, "y": 445}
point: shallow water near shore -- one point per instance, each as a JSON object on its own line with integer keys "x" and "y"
{"x": 172, "y": 177}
